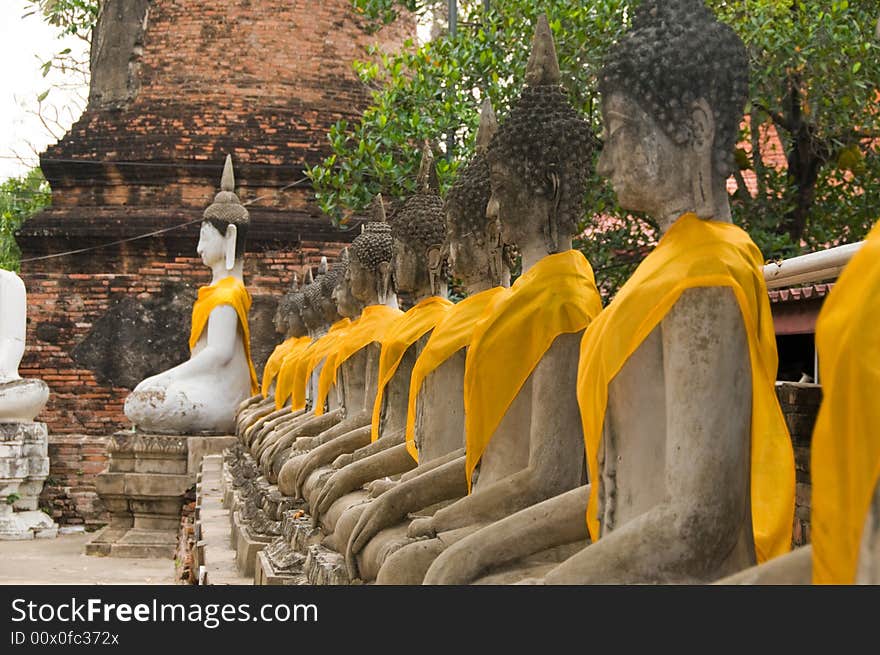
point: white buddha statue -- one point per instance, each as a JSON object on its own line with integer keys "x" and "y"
{"x": 20, "y": 400}
{"x": 201, "y": 394}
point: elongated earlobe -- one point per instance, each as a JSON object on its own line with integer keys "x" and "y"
{"x": 703, "y": 126}
{"x": 384, "y": 290}
{"x": 231, "y": 238}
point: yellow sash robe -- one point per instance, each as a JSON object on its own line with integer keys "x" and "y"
{"x": 845, "y": 458}
{"x": 228, "y": 291}
{"x": 370, "y": 326}
{"x": 401, "y": 334}
{"x": 697, "y": 253}
{"x": 556, "y": 296}
{"x": 276, "y": 359}
{"x": 450, "y": 336}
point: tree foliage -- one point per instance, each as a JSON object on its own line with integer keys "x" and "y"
{"x": 20, "y": 198}
{"x": 815, "y": 75}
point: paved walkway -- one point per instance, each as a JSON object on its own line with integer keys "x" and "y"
{"x": 61, "y": 561}
{"x": 219, "y": 555}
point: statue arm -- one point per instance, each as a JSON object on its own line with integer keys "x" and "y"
{"x": 455, "y": 455}
{"x": 378, "y": 487}
{"x": 708, "y": 418}
{"x": 795, "y": 567}
{"x": 558, "y": 520}
{"x": 326, "y": 453}
{"x": 556, "y": 444}
{"x": 217, "y": 352}
{"x": 390, "y": 461}
{"x": 436, "y": 485}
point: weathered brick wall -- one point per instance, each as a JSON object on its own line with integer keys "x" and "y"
{"x": 800, "y": 404}
{"x": 69, "y": 492}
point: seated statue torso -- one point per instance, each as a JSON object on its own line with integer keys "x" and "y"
{"x": 20, "y": 400}
{"x": 197, "y": 399}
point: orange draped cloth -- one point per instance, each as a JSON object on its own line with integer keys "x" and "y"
{"x": 310, "y": 359}
{"x": 697, "y": 253}
{"x": 845, "y": 458}
{"x": 370, "y": 326}
{"x": 451, "y": 335}
{"x": 228, "y": 291}
{"x": 556, "y": 296}
{"x": 401, "y": 334}
{"x": 276, "y": 359}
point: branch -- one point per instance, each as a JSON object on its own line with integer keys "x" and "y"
{"x": 777, "y": 118}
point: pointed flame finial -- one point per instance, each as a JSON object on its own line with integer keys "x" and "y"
{"x": 543, "y": 66}
{"x": 227, "y": 182}
{"x": 488, "y": 126}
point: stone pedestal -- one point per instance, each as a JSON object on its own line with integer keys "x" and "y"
{"x": 24, "y": 467}
{"x": 144, "y": 488}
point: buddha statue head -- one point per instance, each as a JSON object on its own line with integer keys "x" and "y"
{"x": 224, "y": 229}
{"x": 318, "y": 296}
{"x": 283, "y": 308}
{"x": 369, "y": 268}
{"x": 290, "y": 310}
{"x": 419, "y": 231}
{"x": 540, "y": 158}
{"x": 474, "y": 247}
{"x": 673, "y": 91}
{"x": 346, "y": 304}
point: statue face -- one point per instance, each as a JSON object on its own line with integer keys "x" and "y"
{"x": 469, "y": 255}
{"x": 279, "y": 321}
{"x": 346, "y": 304}
{"x": 328, "y": 309}
{"x": 407, "y": 266}
{"x": 645, "y": 167}
{"x": 312, "y": 319}
{"x": 212, "y": 245}
{"x": 296, "y": 327}
{"x": 361, "y": 281}
{"x": 521, "y": 212}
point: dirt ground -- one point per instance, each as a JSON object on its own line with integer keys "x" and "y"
{"x": 62, "y": 561}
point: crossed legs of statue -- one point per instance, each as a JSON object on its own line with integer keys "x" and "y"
{"x": 519, "y": 545}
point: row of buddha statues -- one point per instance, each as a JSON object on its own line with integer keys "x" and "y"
{"x": 527, "y": 434}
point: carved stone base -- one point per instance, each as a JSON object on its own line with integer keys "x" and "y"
{"x": 24, "y": 466}
{"x": 279, "y": 564}
{"x": 144, "y": 488}
{"x": 249, "y": 543}
{"x": 133, "y": 542}
{"x": 29, "y": 524}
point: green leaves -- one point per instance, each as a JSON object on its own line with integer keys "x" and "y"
{"x": 20, "y": 198}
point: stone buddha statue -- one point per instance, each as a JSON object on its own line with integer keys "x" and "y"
{"x": 419, "y": 269}
{"x": 368, "y": 279}
{"x": 845, "y": 446}
{"x": 435, "y": 413}
{"x": 20, "y": 400}
{"x": 288, "y": 322}
{"x": 522, "y": 426}
{"x": 698, "y": 479}
{"x": 323, "y": 321}
{"x": 201, "y": 394}
{"x": 324, "y": 298}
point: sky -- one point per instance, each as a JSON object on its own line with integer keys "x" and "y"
{"x": 24, "y": 44}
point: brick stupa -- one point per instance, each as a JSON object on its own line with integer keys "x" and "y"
{"x": 176, "y": 85}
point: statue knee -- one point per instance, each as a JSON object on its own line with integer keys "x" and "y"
{"x": 409, "y": 564}
{"x": 287, "y": 475}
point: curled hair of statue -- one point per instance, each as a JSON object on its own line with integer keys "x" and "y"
{"x": 466, "y": 201}
{"x": 373, "y": 246}
{"x": 676, "y": 53}
{"x": 227, "y": 209}
{"x": 544, "y": 142}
